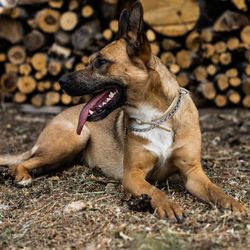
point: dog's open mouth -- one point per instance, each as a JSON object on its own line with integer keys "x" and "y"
{"x": 100, "y": 105}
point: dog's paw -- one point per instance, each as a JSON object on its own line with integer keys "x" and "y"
{"x": 23, "y": 181}
{"x": 229, "y": 203}
{"x": 167, "y": 209}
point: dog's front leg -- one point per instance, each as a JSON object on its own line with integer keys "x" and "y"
{"x": 198, "y": 184}
{"x": 137, "y": 164}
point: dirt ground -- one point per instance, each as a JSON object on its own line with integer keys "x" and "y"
{"x": 40, "y": 216}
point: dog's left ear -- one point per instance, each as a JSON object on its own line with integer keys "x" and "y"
{"x": 131, "y": 29}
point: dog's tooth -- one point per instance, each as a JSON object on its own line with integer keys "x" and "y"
{"x": 91, "y": 112}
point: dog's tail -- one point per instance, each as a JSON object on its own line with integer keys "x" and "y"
{"x": 8, "y": 160}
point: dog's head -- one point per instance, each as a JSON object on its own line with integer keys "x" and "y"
{"x": 116, "y": 74}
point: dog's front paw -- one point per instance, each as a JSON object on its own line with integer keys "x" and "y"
{"x": 229, "y": 203}
{"x": 23, "y": 180}
{"x": 167, "y": 209}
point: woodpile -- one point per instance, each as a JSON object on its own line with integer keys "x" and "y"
{"x": 205, "y": 44}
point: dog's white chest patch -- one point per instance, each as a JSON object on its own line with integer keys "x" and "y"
{"x": 160, "y": 140}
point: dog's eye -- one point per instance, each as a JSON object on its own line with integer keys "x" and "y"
{"x": 99, "y": 62}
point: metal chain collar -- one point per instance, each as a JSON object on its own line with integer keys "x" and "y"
{"x": 168, "y": 116}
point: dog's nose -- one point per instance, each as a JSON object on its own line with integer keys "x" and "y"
{"x": 63, "y": 81}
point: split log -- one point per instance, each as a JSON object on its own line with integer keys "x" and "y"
{"x": 34, "y": 40}
{"x": 56, "y": 86}
{"x": 235, "y": 81}
{"x": 48, "y": 20}
{"x": 8, "y": 83}
{"x": 181, "y": 18}
{"x": 39, "y": 61}
{"x": 19, "y": 97}
{"x": 2, "y": 57}
{"x": 232, "y": 72}
{"x": 220, "y": 101}
{"x": 60, "y": 51}
{"x": 16, "y": 55}
{"x": 79, "y": 66}
{"x": 230, "y": 21}
{"x": 68, "y": 64}
{"x": 62, "y": 38}
{"x": 68, "y": 20}
{"x": 26, "y": 84}
{"x": 193, "y": 41}
{"x": 208, "y": 50}
{"x": 52, "y": 98}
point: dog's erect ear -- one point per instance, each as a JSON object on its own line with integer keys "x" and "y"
{"x": 138, "y": 44}
{"x": 123, "y": 24}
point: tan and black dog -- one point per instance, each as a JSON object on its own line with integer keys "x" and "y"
{"x": 139, "y": 126}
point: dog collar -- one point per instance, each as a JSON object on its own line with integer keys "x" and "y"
{"x": 168, "y": 114}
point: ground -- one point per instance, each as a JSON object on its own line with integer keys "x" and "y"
{"x": 43, "y": 216}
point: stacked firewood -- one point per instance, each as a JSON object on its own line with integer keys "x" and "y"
{"x": 205, "y": 44}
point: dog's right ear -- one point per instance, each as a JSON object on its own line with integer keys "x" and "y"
{"x": 123, "y": 24}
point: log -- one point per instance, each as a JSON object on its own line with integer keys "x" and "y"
{"x": 68, "y": 20}
{"x": 69, "y": 63}
{"x": 207, "y": 35}
{"x": 174, "y": 68}
{"x": 48, "y": 20}
{"x": 41, "y": 86}
{"x": 151, "y": 36}
{"x": 220, "y": 101}
{"x": 107, "y": 34}
{"x": 25, "y": 69}
{"x": 113, "y": 25}
{"x": 208, "y": 50}
{"x": 225, "y": 58}
{"x": 26, "y": 84}
{"x": 41, "y": 73}
{"x": 215, "y": 58}
{"x": 230, "y": 21}
{"x": 240, "y": 4}
{"x": 54, "y": 67}
{"x": 10, "y": 68}
{"x": 34, "y": 40}
{"x": 211, "y": 69}
{"x": 87, "y": 11}
{"x": 85, "y": 60}
{"x": 155, "y": 48}
{"x": 8, "y": 83}
{"x": 19, "y": 97}
{"x": 245, "y": 35}
{"x": 11, "y": 30}
{"x": 234, "y": 97}
{"x": 37, "y": 100}
{"x": 16, "y": 54}
{"x": 233, "y": 43}
{"x": 193, "y": 41}
{"x": 169, "y": 44}
{"x": 39, "y": 61}
{"x": 220, "y": 47}
{"x": 246, "y": 101}
{"x": 184, "y": 59}
{"x": 60, "y": 51}
{"x": 246, "y": 85}
{"x": 2, "y": 57}
{"x": 79, "y": 66}
{"x": 200, "y": 73}
{"x": 66, "y": 99}
{"x": 73, "y": 5}
{"x": 183, "y": 79}
{"x": 208, "y": 90}
{"x": 168, "y": 58}
{"x": 233, "y": 72}
{"x": 52, "y": 98}
{"x": 62, "y": 38}
{"x": 56, "y": 86}
{"x": 181, "y": 18}
{"x": 235, "y": 81}
{"x": 222, "y": 81}
{"x": 56, "y": 4}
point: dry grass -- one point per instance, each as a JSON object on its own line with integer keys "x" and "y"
{"x": 36, "y": 217}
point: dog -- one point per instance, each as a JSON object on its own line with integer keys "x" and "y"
{"x": 139, "y": 126}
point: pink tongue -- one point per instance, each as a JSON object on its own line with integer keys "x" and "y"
{"x": 89, "y": 105}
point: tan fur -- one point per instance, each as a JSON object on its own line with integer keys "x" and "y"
{"x": 124, "y": 156}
